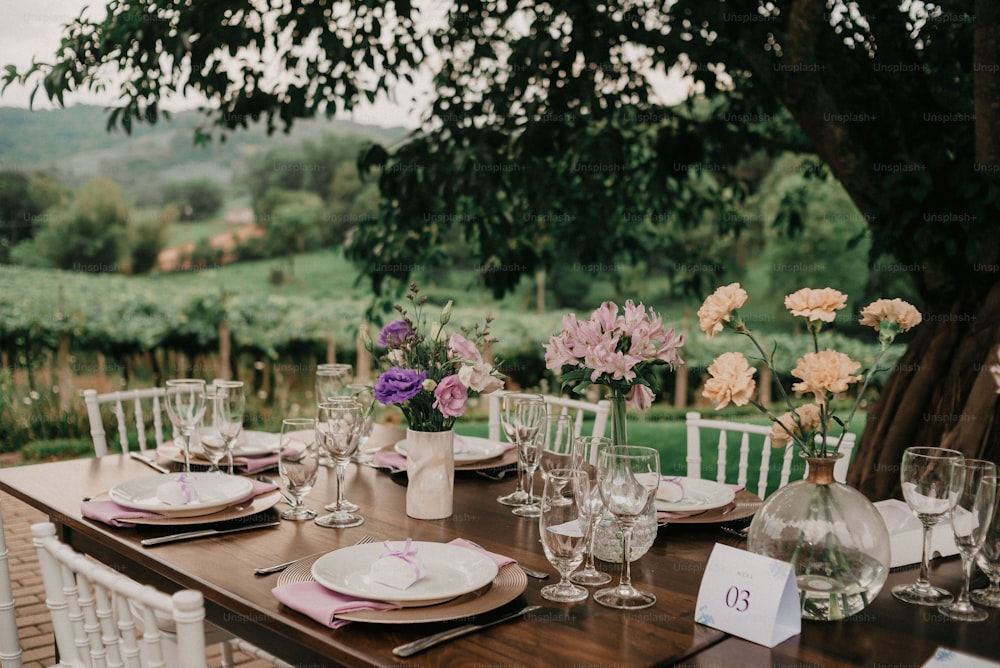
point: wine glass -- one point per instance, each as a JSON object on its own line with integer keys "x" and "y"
{"x": 213, "y": 445}
{"x": 590, "y": 448}
{"x": 508, "y": 401}
{"x": 298, "y": 464}
{"x": 988, "y": 560}
{"x": 186, "y": 408}
{"x": 331, "y": 379}
{"x": 338, "y": 428}
{"x": 627, "y": 476}
{"x": 563, "y": 525}
{"x": 970, "y": 520}
{"x": 559, "y": 447}
{"x": 229, "y": 405}
{"x": 931, "y": 482}
{"x": 529, "y": 422}
{"x": 365, "y": 396}
{"x": 342, "y": 503}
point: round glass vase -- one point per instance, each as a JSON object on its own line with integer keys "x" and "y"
{"x": 832, "y": 535}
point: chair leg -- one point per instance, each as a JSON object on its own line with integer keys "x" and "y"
{"x": 227, "y": 654}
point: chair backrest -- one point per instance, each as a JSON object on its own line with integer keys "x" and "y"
{"x": 577, "y": 408}
{"x": 131, "y": 408}
{"x": 10, "y": 646}
{"x": 92, "y": 608}
{"x": 759, "y": 437}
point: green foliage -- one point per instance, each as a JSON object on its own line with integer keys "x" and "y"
{"x": 194, "y": 198}
{"x": 89, "y": 234}
{"x": 148, "y": 238}
{"x": 23, "y": 199}
{"x": 58, "y": 449}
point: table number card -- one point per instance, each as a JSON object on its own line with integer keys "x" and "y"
{"x": 750, "y": 596}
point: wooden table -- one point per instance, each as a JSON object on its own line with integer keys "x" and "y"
{"x": 584, "y": 634}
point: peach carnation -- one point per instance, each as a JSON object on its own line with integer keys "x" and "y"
{"x": 813, "y": 304}
{"x": 786, "y": 427}
{"x": 897, "y": 311}
{"x": 719, "y": 306}
{"x": 731, "y": 381}
{"x": 825, "y": 371}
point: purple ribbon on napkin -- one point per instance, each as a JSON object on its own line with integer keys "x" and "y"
{"x": 109, "y": 512}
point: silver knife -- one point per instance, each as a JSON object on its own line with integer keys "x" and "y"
{"x": 138, "y": 456}
{"x": 411, "y": 648}
{"x": 147, "y": 542}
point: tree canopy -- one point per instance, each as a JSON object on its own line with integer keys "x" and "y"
{"x": 546, "y": 131}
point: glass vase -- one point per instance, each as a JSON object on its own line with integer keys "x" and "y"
{"x": 619, "y": 430}
{"x": 831, "y": 534}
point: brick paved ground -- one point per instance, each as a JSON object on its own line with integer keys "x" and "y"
{"x": 33, "y": 624}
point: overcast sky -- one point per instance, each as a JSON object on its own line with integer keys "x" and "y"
{"x": 33, "y": 28}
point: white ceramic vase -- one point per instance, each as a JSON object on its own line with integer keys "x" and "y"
{"x": 430, "y": 470}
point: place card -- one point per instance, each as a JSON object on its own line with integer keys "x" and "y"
{"x": 949, "y": 657}
{"x": 750, "y": 596}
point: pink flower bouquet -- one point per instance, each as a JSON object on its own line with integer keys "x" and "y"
{"x": 430, "y": 376}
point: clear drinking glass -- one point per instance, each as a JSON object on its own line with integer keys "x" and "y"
{"x": 229, "y": 406}
{"x": 627, "y": 476}
{"x": 508, "y": 401}
{"x": 330, "y": 381}
{"x": 931, "y": 482}
{"x": 529, "y": 424}
{"x": 213, "y": 445}
{"x": 365, "y": 396}
{"x": 559, "y": 447}
{"x": 590, "y": 448}
{"x": 186, "y": 407}
{"x": 339, "y": 428}
{"x": 340, "y": 503}
{"x": 563, "y": 525}
{"x": 988, "y": 560}
{"x": 970, "y": 521}
{"x": 298, "y": 464}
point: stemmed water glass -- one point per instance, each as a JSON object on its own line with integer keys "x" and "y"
{"x": 213, "y": 445}
{"x": 563, "y": 525}
{"x": 186, "y": 408}
{"x": 339, "y": 428}
{"x": 298, "y": 464}
{"x": 229, "y": 405}
{"x": 365, "y": 396}
{"x": 559, "y": 449}
{"x": 627, "y": 476}
{"x": 529, "y": 422}
{"x": 508, "y": 403}
{"x": 931, "y": 480}
{"x": 970, "y": 521}
{"x": 590, "y": 448}
{"x": 330, "y": 381}
{"x": 342, "y": 503}
{"x": 988, "y": 560}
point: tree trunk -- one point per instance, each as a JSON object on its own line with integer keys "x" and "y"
{"x": 941, "y": 394}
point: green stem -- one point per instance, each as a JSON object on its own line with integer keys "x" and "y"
{"x": 619, "y": 431}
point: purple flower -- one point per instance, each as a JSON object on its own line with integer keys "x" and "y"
{"x": 393, "y": 334}
{"x": 396, "y": 386}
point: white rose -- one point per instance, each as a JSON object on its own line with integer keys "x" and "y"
{"x": 477, "y": 378}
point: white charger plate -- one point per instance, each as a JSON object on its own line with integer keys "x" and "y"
{"x": 467, "y": 448}
{"x": 699, "y": 496}
{"x": 215, "y": 491}
{"x": 450, "y": 571}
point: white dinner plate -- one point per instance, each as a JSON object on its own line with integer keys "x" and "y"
{"x": 214, "y": 492}
{"x": 248, "y": 444}
{"x": 450, "y": 571}
{"x": 699, "y": 496}
{"x": 467, "y": 448}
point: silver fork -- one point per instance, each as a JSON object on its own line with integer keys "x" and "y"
{"x": 277, "y": 568}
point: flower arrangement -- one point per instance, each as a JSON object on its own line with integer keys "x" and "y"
{"x": 429, "y": 376}
{"x": 822, "y": 374}
{"x": 618, "y": 351}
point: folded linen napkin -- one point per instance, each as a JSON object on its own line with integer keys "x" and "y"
{"x": 499, "y": 559}
{"x": 109, "y": 512}
{"x": 253, "y": 464}
{"x": 670, "y": 490}
{"x": 390, "y": 460}
{"x": 321, "y": 604}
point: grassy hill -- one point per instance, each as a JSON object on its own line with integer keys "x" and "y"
{"x": 73, "y": 144}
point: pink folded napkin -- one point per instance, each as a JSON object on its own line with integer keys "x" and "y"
{"x": 499, "y": 559}
{"x": 109, "y": 512}
{"x": 390, "y": 460}
{"x": 321, "y": 604}
{"x": 248, "y": 464}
